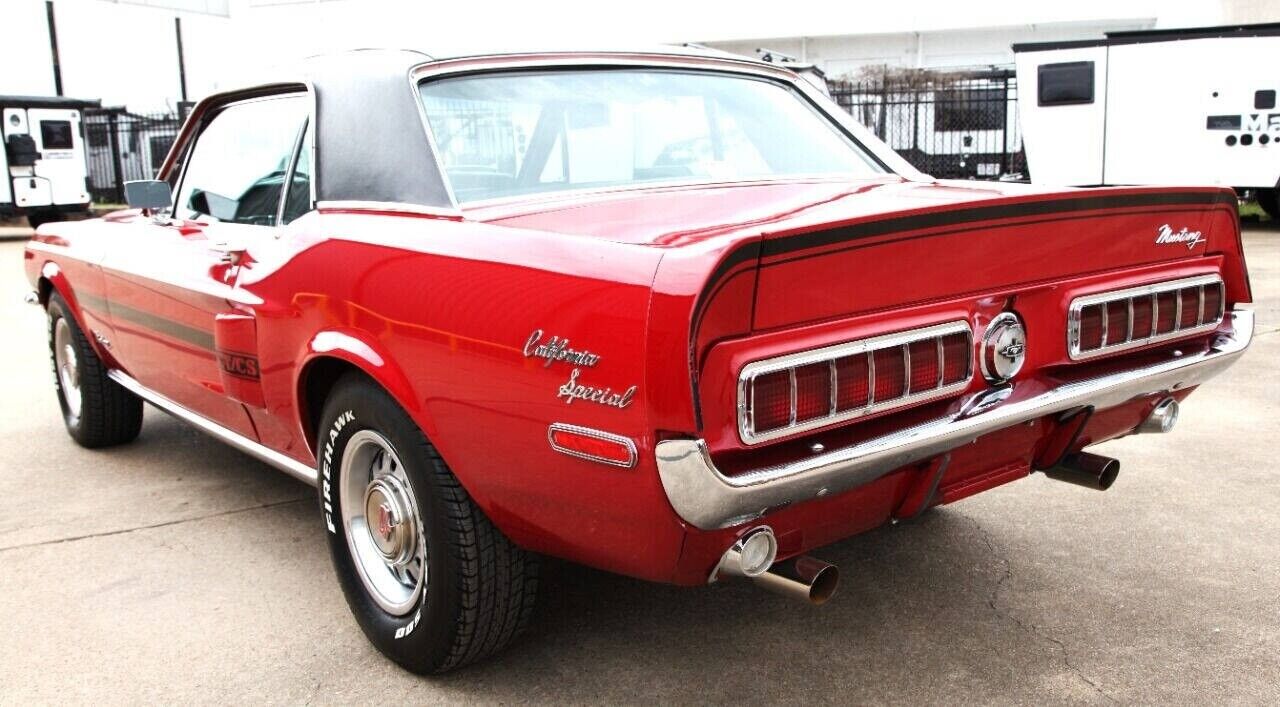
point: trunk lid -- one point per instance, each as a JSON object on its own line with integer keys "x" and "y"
{"x": 831, "y": 248}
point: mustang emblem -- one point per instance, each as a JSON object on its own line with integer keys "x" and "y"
{"x": 385, "y": 522}
{"x": 1166, "y": 235}
{"x": 1013, "y": 350}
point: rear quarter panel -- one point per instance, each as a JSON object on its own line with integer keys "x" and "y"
{"x": 448, "y": 308}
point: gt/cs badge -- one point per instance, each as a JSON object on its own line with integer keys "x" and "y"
{"x": 1004, "y": 348}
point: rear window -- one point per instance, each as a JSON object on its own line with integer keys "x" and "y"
{"x": 509, "y": 134}
{"x": 55, "y": 134}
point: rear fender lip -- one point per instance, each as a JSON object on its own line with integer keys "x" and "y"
{"x": 708, "y": 499}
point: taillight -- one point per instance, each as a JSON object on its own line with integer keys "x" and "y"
{"x": 956, "y": 351}
{"x": 807, "y": 390}
{"x": 1125, "y": 319}
{"x": 771, "y": 400}
{"x": 890, "y": 378}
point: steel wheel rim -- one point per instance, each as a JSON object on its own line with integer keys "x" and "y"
{"x": 383, "y": 526}
{"x": 67, "y": 364}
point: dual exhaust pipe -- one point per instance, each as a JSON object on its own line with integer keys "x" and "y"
{"x": 753, "y": 556}
{"x": 811, "y": 580}
{"x": 1095, "y": 471}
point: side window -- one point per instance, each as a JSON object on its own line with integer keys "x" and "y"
{"x": 1065, "y": 83}
{"x": 236, "y": 171}
{"x": 297, "y": 200}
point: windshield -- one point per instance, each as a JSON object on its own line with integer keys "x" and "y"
{"x": 523, "y": 133}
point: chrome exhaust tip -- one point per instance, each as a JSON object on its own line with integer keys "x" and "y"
{"x": 750, "y": 556}
{"x": 804, "y": 578}
{"x": 1084, "y": 469}
{"x": 31, "y": 297}
{"x": 1162, "y": 418}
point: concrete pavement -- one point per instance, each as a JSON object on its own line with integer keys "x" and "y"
{"x": 177, "y": 569}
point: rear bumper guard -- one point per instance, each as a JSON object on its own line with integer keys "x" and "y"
{"x": 708, "y": 499}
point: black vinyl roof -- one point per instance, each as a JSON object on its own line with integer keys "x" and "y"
{"x": 371, "y": 143}
{"x": 1144, "y": 36}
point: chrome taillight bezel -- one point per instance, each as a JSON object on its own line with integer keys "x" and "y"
{"x": 831, "y": 354}
{"x": 1203, "y": 324}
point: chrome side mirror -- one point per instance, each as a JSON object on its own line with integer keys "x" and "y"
{"x": 148, "y": 194}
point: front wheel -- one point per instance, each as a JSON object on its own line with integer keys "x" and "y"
{"x": 432, "y": 583}
{"x": 98, "y": 411}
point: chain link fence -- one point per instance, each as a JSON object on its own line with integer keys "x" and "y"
{"x": 952, "y": 125}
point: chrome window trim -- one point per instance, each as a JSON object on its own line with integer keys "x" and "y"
{"x": 830, "y": 354}
{"x": 1152, "y": 290}
{"x": 597, "y": 434}
{"x": 399, "y": 207}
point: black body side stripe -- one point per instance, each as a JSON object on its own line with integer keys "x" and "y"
{"x": 196, "y": 337}
{"x": 1002, "y": 212}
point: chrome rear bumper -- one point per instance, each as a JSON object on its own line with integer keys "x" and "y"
{"x": 708, "y": 499}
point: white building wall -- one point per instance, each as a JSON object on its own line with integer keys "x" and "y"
{"x": 849, "y": 54}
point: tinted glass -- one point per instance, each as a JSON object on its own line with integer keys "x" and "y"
{"x": 508, "y": 134}
{"x": 1065, "y": 83}
{"x": 237, "y": 169}
{"x": 55, "y": 134}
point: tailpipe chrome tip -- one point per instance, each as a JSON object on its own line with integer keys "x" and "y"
{"x": 31, "y": 298}
{"x": 804, "y": 578}
{"x": 750, "y": 556}
{"x": 1162, "y": 418}
{"x": 1085, "y": 469}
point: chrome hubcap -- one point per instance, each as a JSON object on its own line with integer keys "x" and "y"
{"x": 68, "y": 365}
{"x": 383, "y": 527}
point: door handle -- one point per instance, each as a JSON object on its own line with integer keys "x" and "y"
{"x": 230, "y": 253}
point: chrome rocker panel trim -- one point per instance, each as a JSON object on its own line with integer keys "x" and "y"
{"x": 290, "y": 466}
{"x": 708, "y": 499}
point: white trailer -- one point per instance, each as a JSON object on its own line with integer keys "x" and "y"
{"x": 961, "y": 126}
{"x": 1165, "y": 107}
{"x": 43, "y": 161}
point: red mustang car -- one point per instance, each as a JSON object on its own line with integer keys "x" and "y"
{"x": 670, "y": 314}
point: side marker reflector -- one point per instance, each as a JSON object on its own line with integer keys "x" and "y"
{"x": 592, "y": 445}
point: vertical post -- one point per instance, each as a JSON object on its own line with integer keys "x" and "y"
{"x": 53, "y": 48}
{"x": 182, "y": 60}
{"x": 118, "y": 163}
{"x": 1004, "y": 127}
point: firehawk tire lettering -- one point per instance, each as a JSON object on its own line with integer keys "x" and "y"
{"x": 326, "y": 468}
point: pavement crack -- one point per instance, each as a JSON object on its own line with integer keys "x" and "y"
{"x": 993, "y": 601}
{"x": 165, "y": 524}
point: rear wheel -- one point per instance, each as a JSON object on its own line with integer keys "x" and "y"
{"x": 97, "y": 411}
{"x": 432, "y": 583}
{"x": 1269, "y": 200}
